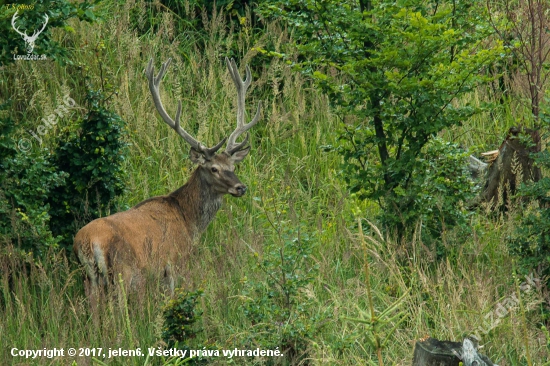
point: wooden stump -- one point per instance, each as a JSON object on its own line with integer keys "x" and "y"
{"x": 433, "y": 352}
{"x": 513, "y": 165}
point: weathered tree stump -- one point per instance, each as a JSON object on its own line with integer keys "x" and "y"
{"x": 433, "y": 352}
{"x": 512, "y": 165}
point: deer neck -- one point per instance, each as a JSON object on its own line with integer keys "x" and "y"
{"x": 198, "y": 201}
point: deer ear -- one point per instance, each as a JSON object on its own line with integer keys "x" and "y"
{"x": 238, "y": 156}
{"x": 197, "y": 157}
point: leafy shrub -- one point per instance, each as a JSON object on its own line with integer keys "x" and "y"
{"x": 26, "y": 182}
{"x": 440, "y": 189}
{"x": 276, "y": 304}
{"x": 46, "y": 197}
{"x": 92, "y": 156}
{"x": 180, "y": 318}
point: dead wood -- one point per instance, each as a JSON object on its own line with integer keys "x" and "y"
{"x": 512, "y": 166}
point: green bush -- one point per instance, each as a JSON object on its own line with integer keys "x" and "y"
{"x": 276, "y": 304}
{"x": 180, "y": 322}
{"x": 92, "y": 157}
{"x": 45, "y": 197}
{"x": 440, "y": 189}
{"x": 180, "y": 317}
{"x": 27, "y": 179}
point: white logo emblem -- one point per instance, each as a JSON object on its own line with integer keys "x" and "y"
{"x": 29, "y": 40}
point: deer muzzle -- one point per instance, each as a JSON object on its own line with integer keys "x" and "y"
{"x": 238, "y": 190}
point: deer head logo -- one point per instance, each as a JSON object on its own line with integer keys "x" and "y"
{"x": 29, "y": 40}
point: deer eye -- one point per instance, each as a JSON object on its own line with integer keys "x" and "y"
{"x": 214, "y": 170}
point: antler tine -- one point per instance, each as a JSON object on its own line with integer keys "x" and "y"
{"x": 242, "y": 87}
{"x": 36, "y": 32}
{"x": 154, "y": 83}
{"x": 13, "y": 19}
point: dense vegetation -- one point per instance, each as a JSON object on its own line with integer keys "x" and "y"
{"x": 357, "y": 235}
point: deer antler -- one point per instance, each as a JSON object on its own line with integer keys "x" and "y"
{"x": 242, "y": 87}
{"x": 13, "y": 19}
{"x": 36, "y": 33}
{"x": 154, "y": 82}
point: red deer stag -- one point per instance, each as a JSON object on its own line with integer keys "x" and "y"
{"x": 157, "y": 233}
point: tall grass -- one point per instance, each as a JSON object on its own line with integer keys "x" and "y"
{"x": 43, "y": 305}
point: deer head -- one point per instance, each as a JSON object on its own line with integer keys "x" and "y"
{"x": 216, "y": 169}
{"x": 29, "y": 40}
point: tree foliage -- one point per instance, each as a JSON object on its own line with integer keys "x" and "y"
{"x": 394, "y": 70}
{"x": 531, "y": 240}
{"x": 523, "y": 28}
